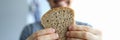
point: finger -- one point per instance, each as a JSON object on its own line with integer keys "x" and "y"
{"x": 79, "y": 28}
{"x": 74, "y": 39}
{"x": 44, "y": 32}
{"x": 85, "y": 28}
{"x": 48, "y": 37}
{"x": 82, "y": 35}
{"x": 90, "y": 36}
{"x": 76, "y": 34}
{"x": 95, "y": 31}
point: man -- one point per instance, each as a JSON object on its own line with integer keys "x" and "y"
{"x": 80, "y": 31}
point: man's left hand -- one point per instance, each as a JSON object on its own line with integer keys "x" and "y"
{"x": 80, "y": 32}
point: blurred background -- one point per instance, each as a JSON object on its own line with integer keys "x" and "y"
{"x": 101, "y": 14}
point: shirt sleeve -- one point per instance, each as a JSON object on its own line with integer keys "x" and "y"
{"x": 82, "y": 23}
{"x": 27, "y": 31}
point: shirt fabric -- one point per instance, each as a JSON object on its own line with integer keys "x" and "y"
{"x": 32, "y": 28}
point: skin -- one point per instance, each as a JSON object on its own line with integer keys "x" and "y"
{"x": 75, "y": 32}
{"x": 80, "y": 32}
{"x": 45, "y": 34}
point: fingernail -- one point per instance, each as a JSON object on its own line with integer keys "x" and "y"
{"x": 53, "y": 30}
{"x": 57, "y": 35}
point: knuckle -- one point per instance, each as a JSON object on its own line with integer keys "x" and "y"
{"x": 70, "y": 33}
{"x": 99, "y": 32}
{"x": 83, "y": 34}
{"x": 37, "y": 34}
{"x": 44, "y": 31}
{"x": 36, "y": 38}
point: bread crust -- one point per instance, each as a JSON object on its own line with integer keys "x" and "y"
{"x": 60, "y": 19}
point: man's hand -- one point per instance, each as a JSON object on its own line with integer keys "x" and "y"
{"x": 83, "y": 33}
{"x": 45, "y": 34}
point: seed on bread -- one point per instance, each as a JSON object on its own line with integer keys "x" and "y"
{"x": 60, "y": 19}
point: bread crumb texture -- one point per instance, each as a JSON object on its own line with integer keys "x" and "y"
{"x": 60, "y": 19}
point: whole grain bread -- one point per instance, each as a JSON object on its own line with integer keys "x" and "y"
{"x": 60, "y": 19}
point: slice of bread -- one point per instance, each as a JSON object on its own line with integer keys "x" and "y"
{"x": 60, "y": 19}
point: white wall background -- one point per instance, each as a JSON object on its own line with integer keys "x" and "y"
{"x": 12, "y": 18}
{"x": 101, "y": 14}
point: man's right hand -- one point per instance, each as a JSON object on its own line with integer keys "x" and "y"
{"x": 45, "y": 34}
